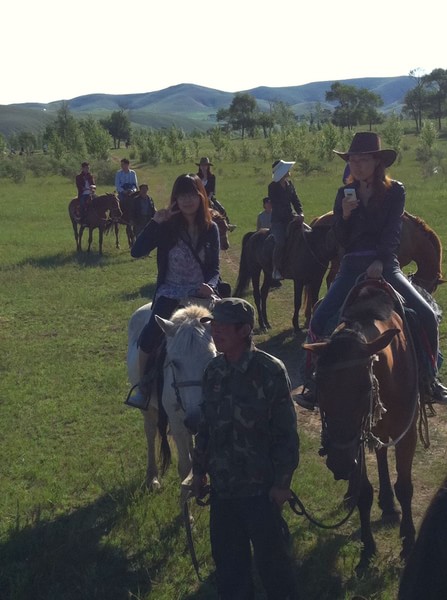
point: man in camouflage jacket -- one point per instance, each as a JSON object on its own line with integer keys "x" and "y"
{"x": 248, "y": 444}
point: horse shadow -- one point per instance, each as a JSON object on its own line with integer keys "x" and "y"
{"x": 69, "y": 556}
{"x": 62, "y": 260}
{"x": 286, "y": 346}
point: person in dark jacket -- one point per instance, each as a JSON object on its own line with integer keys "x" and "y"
{"x": 247, "y": 442}
{"x": 209, "y": 182}
{"x": 283, "y": 197}
{"x": 187, "y": 242}
{"x": 367, "y": 225}
{"x": 84, "y": 182}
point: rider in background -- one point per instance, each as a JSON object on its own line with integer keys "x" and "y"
{"x": 209, "y": 183}
{"x": 126, "y": 182}
{"x": 187, "y": 242}
{"x": 143, "y": 208}
{"x": 283, "y": 197}
{"x": 367, "y": 225}
{"x": 84, "y": 181}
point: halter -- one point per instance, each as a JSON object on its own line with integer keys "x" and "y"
{"x": 177, "y": 385}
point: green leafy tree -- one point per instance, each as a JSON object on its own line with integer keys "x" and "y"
{"x": 241, "y": 115}
{"x": 355, "y": 105}
{"x": 392, "y": 133}
{"x": 283, "y": 114}
{"x": 97, "y": 139}
{"x": 436, "y": 84}
{"x": 219, "y": 140}
{"x": 118, "y": 125}
{"x": 415, "y": 100}
{"x": 64, "y": 136}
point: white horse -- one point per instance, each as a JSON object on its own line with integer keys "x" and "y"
{"x": 189, "y": 348}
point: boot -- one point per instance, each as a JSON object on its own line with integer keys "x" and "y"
{"x": 307, "y": 397}
{"x": 140, "y": 395}
{"x": 438, "y": 392}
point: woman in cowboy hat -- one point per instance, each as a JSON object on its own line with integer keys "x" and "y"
{"x": 367, "y": 225}
{"x": 283, "y": 196}
{"x": 209, "y": 182}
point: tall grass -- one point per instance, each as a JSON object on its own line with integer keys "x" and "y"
{"x": 76, "y": 521}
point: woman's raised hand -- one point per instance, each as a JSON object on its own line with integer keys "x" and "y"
{"x": 164, "y": 214}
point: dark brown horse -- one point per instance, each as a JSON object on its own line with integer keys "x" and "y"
{"x": 367, "y": 390}
{"x": 307, "y": 256}
{"x": 425, "y": 574}
{"x": 222, "y": 226}
{"x": 102, "y": 213}
{"x": 128, "y": 217}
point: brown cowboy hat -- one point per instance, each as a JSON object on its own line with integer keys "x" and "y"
{"x": 367, "y": 142}
{"x": 204, "y": 161}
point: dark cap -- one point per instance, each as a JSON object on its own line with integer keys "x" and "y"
{"x": 232, "y": 310}
{"x": 85, "y": 164}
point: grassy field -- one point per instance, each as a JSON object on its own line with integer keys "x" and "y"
{"x": 76, "y": 521}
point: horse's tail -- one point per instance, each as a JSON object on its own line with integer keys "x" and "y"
{"x": 244, "y": 275}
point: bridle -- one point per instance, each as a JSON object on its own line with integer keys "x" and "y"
{"x": 178, "y": 385}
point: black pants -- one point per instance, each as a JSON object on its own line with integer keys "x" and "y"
{"x": 236, "y": 522}
{"x": 151, "y": 334}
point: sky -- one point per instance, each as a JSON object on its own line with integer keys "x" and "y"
{"x": 58, "y": 51}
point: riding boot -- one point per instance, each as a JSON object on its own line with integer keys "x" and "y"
{"x": 307, "y": 398}
{"x": 141, "y": 394}
{"x": 433, "y": 392}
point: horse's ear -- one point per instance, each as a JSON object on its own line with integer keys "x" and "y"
{"x": 166, "y": 325}
{"x": 316, "y": 347}
{"x": 381, "y": 341}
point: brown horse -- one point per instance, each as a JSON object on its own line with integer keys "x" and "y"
{"x": 307, "y": 257}
{"x": 419, "y": 244}
{"x": 222, "y": 226}
{"x": 367, "y": 390}
{"x": 102, "y": 212}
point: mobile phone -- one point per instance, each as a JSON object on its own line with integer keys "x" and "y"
{"x": 350, "y": 193}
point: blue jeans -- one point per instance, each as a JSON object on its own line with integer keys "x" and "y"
{"x": 327, "y": 314}
{"x": 151, "y": 334}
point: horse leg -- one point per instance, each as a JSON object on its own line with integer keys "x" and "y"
{"x": 75, "y": 230}
{"x": 90, "y": 238}
{"x": 298, "y": 291}
{"x": 255, "y": 281}
{"x": 150, "y": 428}
{"x": 404, "y": 489}
{"x": 263, "y": 301}
{"x": 117, "y": 243}
{"x": 386, "y": 494}
{"x": 81, "y": 231}
{"x": 364, "y": 505}
{"x": 101, "y": 237}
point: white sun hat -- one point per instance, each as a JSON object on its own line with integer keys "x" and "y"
{"x": 280, "y": 169}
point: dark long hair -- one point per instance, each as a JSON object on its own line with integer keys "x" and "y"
{"x": 189, "y": 183}
{"x": 381, "y": 181}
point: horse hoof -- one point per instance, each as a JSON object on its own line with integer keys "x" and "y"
{"x": 391, "y": 517}
{"x": 153, "y": 484}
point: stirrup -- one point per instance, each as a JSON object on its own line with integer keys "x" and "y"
{"x": 138, "y": 397}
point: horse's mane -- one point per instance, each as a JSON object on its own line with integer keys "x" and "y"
{"x": 427, "y": 231}
{"x": 371, "y": 304}
{"x": 189, "y": 333}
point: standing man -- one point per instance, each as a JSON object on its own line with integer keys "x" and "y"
{"x": 84, "y": 183}
{"x": 248, "y": 444}
{"x": 126, "y": 182}
{"x": 283, "y": 197}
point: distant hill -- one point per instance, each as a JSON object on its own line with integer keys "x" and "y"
{"x": 192, "y": 106}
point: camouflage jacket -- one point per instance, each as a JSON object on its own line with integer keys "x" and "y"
{"x": 247, "y": 439}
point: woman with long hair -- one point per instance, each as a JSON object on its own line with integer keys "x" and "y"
{"x": 187, "y": 242}
{"x": 367, "y": 225}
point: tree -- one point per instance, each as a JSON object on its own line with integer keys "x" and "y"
{"x": 118, "y": 125}
{"x": 436, "y": 83}
{"x": 356, "y": 105}
{"x": 415, "y": 100}
{"x": 242, "y": 114}
{"x": 64, "y": 136}
{"x": 97, "y": 139}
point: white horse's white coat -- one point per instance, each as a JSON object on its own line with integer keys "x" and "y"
{"x": 189, "y": 348}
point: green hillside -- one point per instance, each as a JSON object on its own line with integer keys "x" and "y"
{"x": 191, "y": 106}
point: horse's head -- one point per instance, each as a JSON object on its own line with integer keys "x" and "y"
{"x": 345, "y": 387}
{"x": 189, "y": 347}
{"x": 114, "y": 207}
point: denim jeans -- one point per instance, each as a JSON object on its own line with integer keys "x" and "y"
{"x": 327, "y": 314}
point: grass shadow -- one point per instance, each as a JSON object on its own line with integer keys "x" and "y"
{"x": 73, "y": 557}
